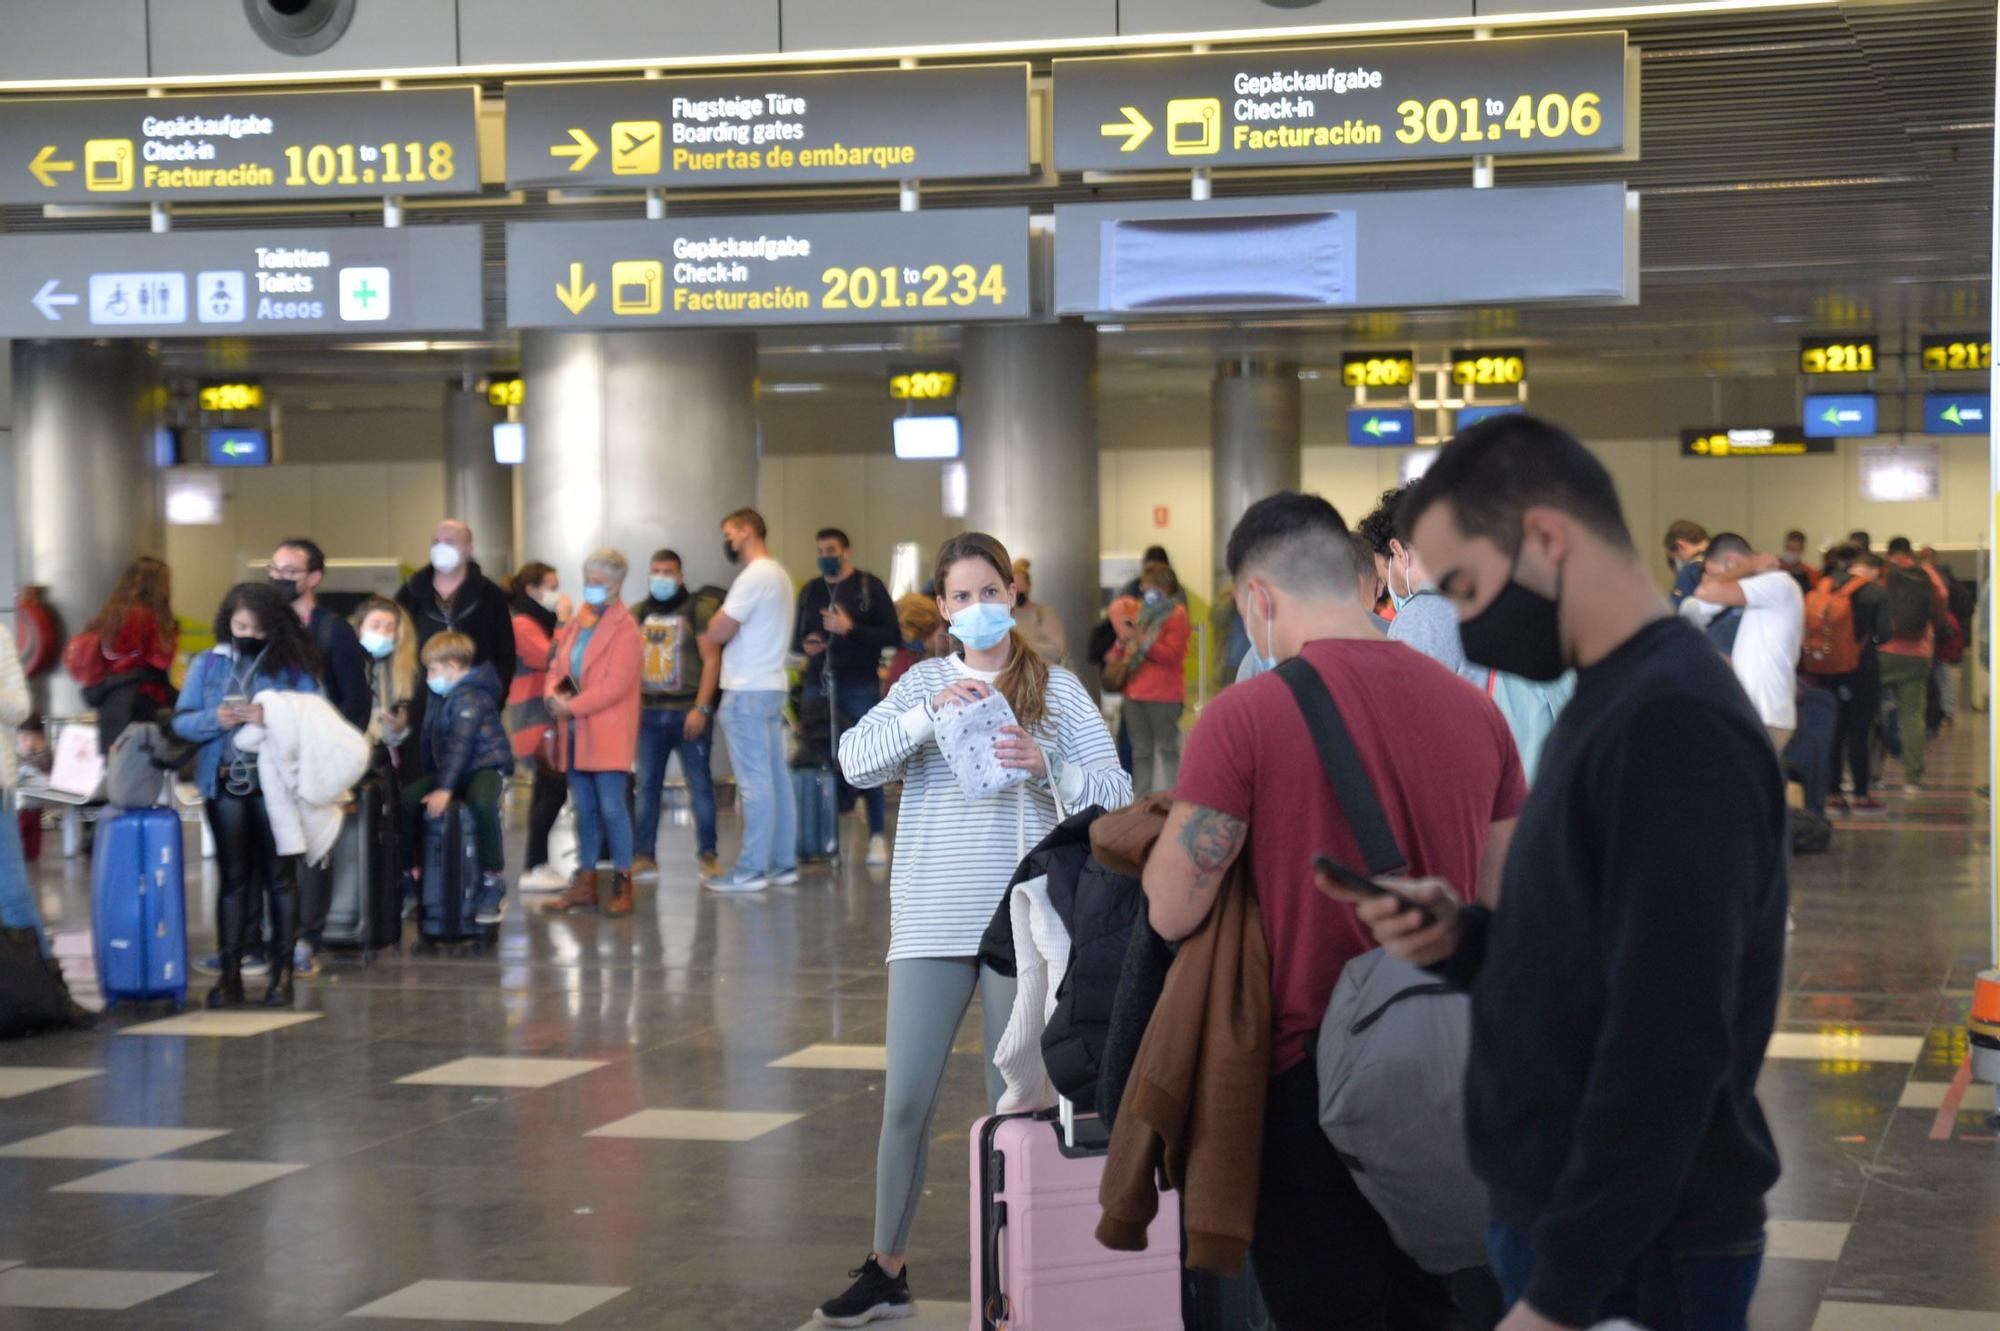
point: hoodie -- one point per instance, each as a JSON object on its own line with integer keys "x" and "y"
{"x": 462, "y": 730}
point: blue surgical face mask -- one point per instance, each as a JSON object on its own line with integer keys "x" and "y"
{"x": 1409, "y": 592}
{"x": 595, "y": 595}
{"x": 376, "y": 645}
{"x": 1154, "y": 596}
{"x": 983, "y": 625}
{"x": 441, "y": 684}
{"x": 1268, "y": 659}
{"x": 662, "y": 587}
{"x": 829, "y": 566}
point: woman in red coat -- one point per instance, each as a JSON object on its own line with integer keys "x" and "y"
{"x": 593, "y": 698}
{"x": 137, "y": 637}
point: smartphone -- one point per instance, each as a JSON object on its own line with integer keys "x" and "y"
{"x": 1360, "y": 882}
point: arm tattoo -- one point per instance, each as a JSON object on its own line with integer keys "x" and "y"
{"x": 1211, "y": 840}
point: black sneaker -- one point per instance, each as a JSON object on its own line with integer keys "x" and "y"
{"x": 875, "y": 1296}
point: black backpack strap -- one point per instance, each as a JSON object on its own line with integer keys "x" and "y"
{"x": 1351, "y": 785}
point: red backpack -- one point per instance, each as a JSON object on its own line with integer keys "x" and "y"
{"x": 1831, "y": 647}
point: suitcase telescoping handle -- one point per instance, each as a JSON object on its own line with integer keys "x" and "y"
{"x": 996, "y": 1309}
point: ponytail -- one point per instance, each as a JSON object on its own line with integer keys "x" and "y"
{"x": 1024, "y": 682}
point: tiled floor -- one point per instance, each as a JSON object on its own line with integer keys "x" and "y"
{"x": 670, "y": 1121}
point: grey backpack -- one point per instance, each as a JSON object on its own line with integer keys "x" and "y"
{"x": 1393, "y": 1048}
{"x": 142, "y": 761}
{"x": 1392, "y": 1059}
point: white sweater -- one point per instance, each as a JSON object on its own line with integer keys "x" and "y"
{"x": 954, "y": 856}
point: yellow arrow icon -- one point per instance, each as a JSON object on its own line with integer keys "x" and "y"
{"x": 577, "y": 296}
{"x": 1135, "y": 127}
{"x": 45, "y": 163}
{"x": 582, "y": 149}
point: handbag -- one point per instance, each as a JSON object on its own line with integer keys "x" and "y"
{"x": 1392, "y": 1051}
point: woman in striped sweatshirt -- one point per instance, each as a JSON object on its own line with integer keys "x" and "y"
{"x": 954, "y": 857}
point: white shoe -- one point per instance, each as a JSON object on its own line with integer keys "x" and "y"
{"x": 878, "y": 851}
{"x": 731, "y": 883}
{"x": 542, "y": 878}
{"x": 785, "y": 877}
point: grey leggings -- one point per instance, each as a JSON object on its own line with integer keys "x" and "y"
{"x": 928, "y": 997}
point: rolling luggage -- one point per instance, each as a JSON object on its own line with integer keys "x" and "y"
{"x": 816, "y": 793}
{"x": 451, "y": 882}
{"x": 1036, "y": 1261}
{"x": 363, "y": 909}
{"x": 138, "y": 907}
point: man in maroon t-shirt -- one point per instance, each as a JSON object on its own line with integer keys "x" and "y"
{"x": 1446, "y": 774}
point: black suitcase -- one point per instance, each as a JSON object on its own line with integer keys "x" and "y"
{"x": 451, "y": 883}
{"x": 364, "y": 909}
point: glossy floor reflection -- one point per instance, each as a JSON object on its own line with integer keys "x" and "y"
{"x": 670, "y": 1121}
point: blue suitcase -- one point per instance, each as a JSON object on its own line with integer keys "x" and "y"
{"x": 451, "y": 885}
{"x": 816, "y": 793}
{"x": 138, "y": 907}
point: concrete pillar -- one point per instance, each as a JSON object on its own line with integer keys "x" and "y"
{"x": 478, "y": 490}
{"x": 1028, "y": 403}
{"x": 86, "y": 494}
{"x": 1254, "y": 450}
{"x": 10, "y": 567}
{"x": 637, "y": 440}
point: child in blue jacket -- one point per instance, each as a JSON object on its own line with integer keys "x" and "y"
{"x": 466, "y": 757}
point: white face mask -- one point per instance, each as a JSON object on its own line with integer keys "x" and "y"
{"x": 548, "y": 598}
{"x": 446, "y": 558}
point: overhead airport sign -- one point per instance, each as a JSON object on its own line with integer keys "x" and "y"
{"x": 217, "y": 147}
{"x": 1836, "y": 355}
{"x": 1336, "y": 105}
{"x": 1392, "y": 248}
{"x": 1951, "y": 353}
{"x": 1839, "y": 415}
{"x": 950, "y": 264}
{"x": 1957, "y": 413}
{"x": 1751, "y": 441}
{"x": 782, "y": 128}
{"x": 1468, "y": 417}
{"x": 1378, "y": 369}
{"x": 363, "y": 280}
{"x": 1383, "y": 427}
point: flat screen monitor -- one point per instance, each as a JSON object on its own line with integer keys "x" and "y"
{"x": 933, "y": 437}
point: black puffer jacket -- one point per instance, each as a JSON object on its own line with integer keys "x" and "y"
{"x": 1100, "y": 909}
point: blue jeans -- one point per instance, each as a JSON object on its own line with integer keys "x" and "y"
{"x": 851, "y": 702}
{"x": 661, "y": 731}
{"x": 1664, "y": 1291}
{"x": 752, "y": 723}
{"x": 601, "y": 813}
{"x": 17, "y": 899}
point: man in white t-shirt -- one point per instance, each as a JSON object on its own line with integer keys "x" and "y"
{"x": 1769, "y": 632}
{"x": 753, "y": 628}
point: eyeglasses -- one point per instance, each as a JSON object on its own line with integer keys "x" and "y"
{"x": 277, "y": 572}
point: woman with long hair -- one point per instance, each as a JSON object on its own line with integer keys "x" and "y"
{"x": 539, "y": 610}
{"x": 260, "y": 646}
{"x": 389, "y": 637}
{"x": 954, "y": 858}
{"x": 138, "y": 637}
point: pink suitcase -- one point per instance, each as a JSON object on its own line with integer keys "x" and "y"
{"x": 1036, "y": 1261}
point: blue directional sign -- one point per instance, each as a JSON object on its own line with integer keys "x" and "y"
{"x": 1839, "y": 415}
{"x": 1381, "y": 427}
{"x": 1957, "y": 413}
{"x": 239, "y": 448}
{"x": 1470, "y": 416}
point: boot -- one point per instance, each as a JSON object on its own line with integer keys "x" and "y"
{"x": 621, "y": 895}
{"x": 580, "y": 895}
{"x": 229, "y": 919}
{"x": 284, "y": 930}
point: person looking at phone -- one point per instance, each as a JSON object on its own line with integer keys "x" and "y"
{"x": 260, "y": 647}
{"x": 954, "y": 858}
{"x": 1625, "y": 980}
{"x": 1251, "y": 782}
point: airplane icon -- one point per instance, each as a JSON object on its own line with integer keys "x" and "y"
{"x": 635, "y": 148}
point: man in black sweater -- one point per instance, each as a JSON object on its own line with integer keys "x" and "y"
{"x": 454, "y": 594}
{"x": 1625, "y": 981}
{"x": 845, "y": 615}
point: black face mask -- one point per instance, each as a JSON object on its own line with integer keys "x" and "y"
{"x": 246, "y": 647}
{"x": 1518, "y": 634}
{"x": 729, "y": 552}
{"x": 288, "y": 588}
